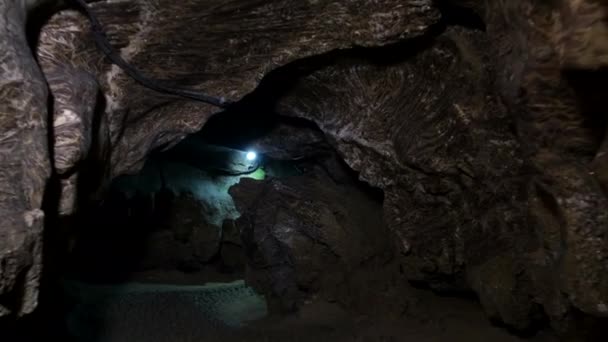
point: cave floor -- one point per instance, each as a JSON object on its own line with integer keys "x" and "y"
{"x": 155, "y": 312}
{"x": 457, "y": 320}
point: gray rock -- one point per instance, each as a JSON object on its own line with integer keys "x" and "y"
{"x": 24, "y": 164}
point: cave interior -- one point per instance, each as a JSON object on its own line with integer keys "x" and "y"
{"x": 391, "y": 170}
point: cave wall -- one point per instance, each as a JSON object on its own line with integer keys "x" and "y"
{"x": 96, "y": 138}
{"x": 487, "y": 152}
{"x": 248, "y": 39}
{"x": 489, "y": 142}
{"x": 24, "y": 164}
{"x": 430, "y": 130}
{"x": 561, "y": 131}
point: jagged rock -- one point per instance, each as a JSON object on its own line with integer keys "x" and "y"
{"x": 550, "y": 86}
{"x": 134, "y": 230}
{"x": 432, "y": 131}
{"x": 204, "y": 238}
{"x": 24, "y": 164}
{"x": 240, "y": 41}
{"x": 580, "y": 34}
{"x": 569, "y": 216}
{"x": 308, "y": 237}
{"x": 490, "y": 145}
{"x": 187, "y": 42}
{"x": 248, "y": 39}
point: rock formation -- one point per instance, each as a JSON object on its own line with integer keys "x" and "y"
{"x": 481, "y": 122}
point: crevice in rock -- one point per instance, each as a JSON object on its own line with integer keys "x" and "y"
{"x": 588, "y": 86}
{"x": 457, "y": 14}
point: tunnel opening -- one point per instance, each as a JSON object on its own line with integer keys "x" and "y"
{"x": 187, "y": 182}
{"x": 173, "y": 232}
{"x": 214, "y": 241}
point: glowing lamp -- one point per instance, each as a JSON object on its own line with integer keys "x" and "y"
{"x": 251, "y": 155}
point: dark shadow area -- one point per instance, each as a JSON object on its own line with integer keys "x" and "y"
{"x": 164, "y": 225}
{"x": 590, "y": 88}
{"x": 445, "y": 292}
{"x": 540, "y": 322}
{"x": 255, "y": 110}
{"x": 586, "y": 328}
{"x": 455, "y": 15}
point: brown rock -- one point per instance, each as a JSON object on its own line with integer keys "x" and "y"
{"x": 306, "y": 237}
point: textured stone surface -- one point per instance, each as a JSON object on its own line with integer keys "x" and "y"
{"x": 490, "y": 145}
{"x": 581, "y": 33}
{"x": 552, "y": 86}
{"x": 308, "y": 236}
{"x": 249, "y": 39}
{"x": 24, "y": 164}
{"x": 169, "y": 207}
{"x": 462, "y": 147}
{"x": 222, "y": 47}
{"x": 193, "y": 42}
{"x": 430, "y": 131}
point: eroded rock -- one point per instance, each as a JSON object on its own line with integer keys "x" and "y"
{"x": 24, "y": 164}
{"x": 309, "y": 236}
{"x": 489, "y": 146}
{"x": 432, "y": 131}
{"x": 249, "y": 39}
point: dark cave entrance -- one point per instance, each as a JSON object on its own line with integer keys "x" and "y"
{"x": 185, "y": 188}
{"x": 174, "y": 230}
{"x": 205, "y": 237}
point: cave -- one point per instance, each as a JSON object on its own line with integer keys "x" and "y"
{"x": 245, "y": 170}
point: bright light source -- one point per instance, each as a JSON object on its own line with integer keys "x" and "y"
{"x": 251, "y": 155}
